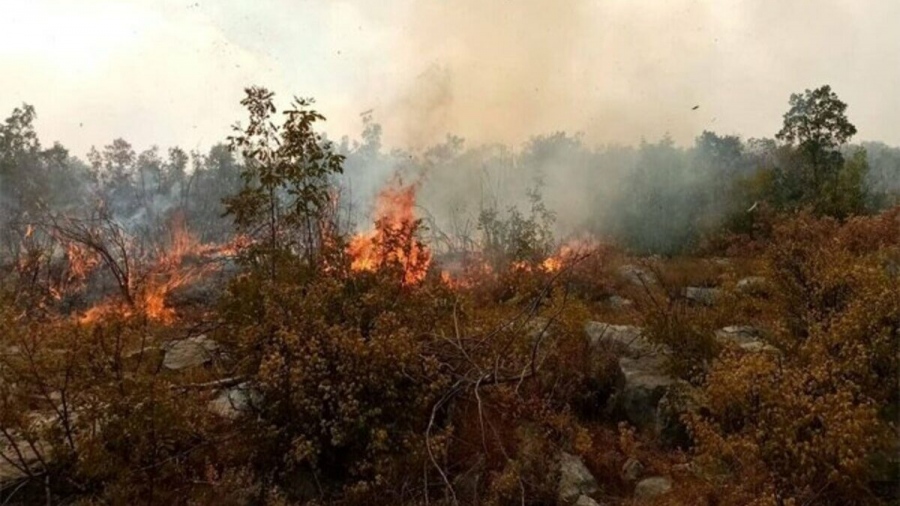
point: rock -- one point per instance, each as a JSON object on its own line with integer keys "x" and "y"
{"x": 231, "y": 402}
{"x": 702, "y": 295}
{"x": 646, "y": 382}
{"x": 584, "y": 500}
{"x": 650, "y": 488}
{"x": 637, "y": 276}
{"x": 745, "y": 337}
{"x": 632, "y": 469}
{"x": 190, "y": 352}
{"x": 574, "y": 479}
{"x": 617, "y": 302}
{"x": 625, "y": 339}
{"x": 680, "y": 399}
{"x": 751, "y": 284}
{"x": 644, "y": 366}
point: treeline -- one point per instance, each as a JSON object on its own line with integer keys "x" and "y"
{"x": 653, "y": 198}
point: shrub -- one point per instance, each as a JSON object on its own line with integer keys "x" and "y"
{"x": 800, "y": 426}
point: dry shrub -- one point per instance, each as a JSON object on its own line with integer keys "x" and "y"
{"x": 107, "y": 424}
{"x": 800, "y": 426}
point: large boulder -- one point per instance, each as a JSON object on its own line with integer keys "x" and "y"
{"x": 190, "y": 352}
{"x": 574, "y": 480}
{"x": 653, "y": 487}
{"x": 646, "y": 382}
{"x": 644, "y": 366}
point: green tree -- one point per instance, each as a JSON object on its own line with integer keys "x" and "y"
{"x": 816, "y": 126}
{"x": 288, "y": 176}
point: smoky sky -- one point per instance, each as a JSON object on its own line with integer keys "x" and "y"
{"x": 172, "y": 72}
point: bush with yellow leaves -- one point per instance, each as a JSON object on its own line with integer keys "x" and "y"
{"x": 802, "y": 425}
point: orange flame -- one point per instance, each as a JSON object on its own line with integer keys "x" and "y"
{"x": 170, "y": 271}
{"x": 568, "y": 253}
{"x": 393, "y": 239}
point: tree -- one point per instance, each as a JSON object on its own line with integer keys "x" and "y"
{"x": 287, "y": 177}
{"x": 816, "y": 125}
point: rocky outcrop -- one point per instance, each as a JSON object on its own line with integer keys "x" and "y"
{"x": 653, "y": 487}
{"x": 643, "y": 364}
{"x": 190, "y": 352}
{"x": 575, "y": 480}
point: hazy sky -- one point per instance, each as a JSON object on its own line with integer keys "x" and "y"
{"x": 172, "y": 72}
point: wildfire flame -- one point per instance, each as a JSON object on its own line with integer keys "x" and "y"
{"x": 393, "y": 239}
{"x": 170, "y": 270}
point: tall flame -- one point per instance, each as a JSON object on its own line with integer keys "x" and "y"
{"x": 393, "y": 239}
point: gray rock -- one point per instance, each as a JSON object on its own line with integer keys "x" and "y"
{"x": 745, "y": 337}
{"x": 574, "y": 479}
{"x": 625, "y": 339}
{"x": 644, "y": 366}
{"x": 231, "y": 402}
{"x": 702, "y": 295}
{"x": 649, "y": 488}
{"x": 617, "y": 302}
{"x": 646, "y": 382}
{"x": 632, "y": 469}
{"x": 584, "y": 500}
{"x": 637, "y": 276}
{"x": 190, "y": 352}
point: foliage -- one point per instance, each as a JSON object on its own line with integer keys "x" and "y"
{"x": 800, "y": 425}
{"x": 516, "y": 238}
{"x": 287, "y": 177}
{"x": 816, "y": 126}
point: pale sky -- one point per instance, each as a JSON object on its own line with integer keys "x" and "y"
{"x": 171, "y": 72}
